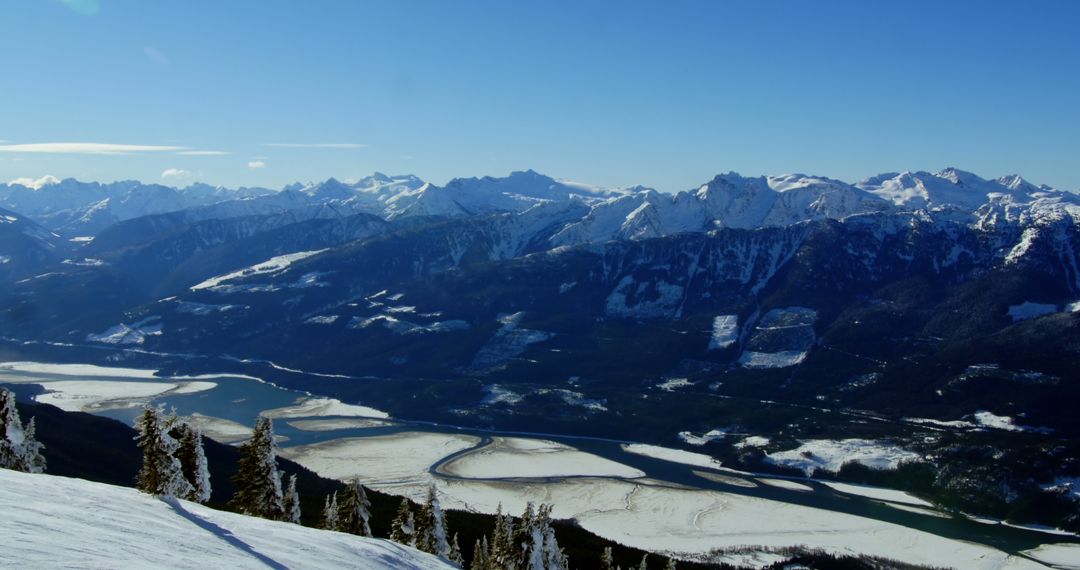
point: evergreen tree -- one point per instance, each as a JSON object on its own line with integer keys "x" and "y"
{"x": 670, "y": 564}
{"x": 192, "y": 458}
{"x": 431, "y": 527}
{"x": 455, "y": 552}
{"x": 481, "y": 559}
{"x": 19, "y": 449}
{"x": 644, "y": 563}
{"x": 403, "y": 529}
{"x": 523, "y": 538}
{"x": 503, "y": 555}
{"x": 160, "y": 473}
{"x": 30, "y": 459}
{"x": 258, "y": 483}
{"x": 291, "y": 501}
{"x": 554, "y": 557}
{"x": 330, "y": 512}
{"x": 11, "y": 432}
{"x": 607, "y": 559}
{"x": 355, "y": 510}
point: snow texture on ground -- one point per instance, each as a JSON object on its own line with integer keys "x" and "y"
{"x": 97, "y": 395}
{"x": 270, "y": 266}
{"x": 508, "y": 457}
{"x": 84, "y": 370}
{"x": 752, "y": 441}
{"x": 380, "y": 461}
{"x": 57, "y": 522}
{"x": 786, "y": 484}
{"x": 879, "y": 493}
{"x": 336, "y": 424}
{"x": 831, "y": 454}
{"x": 1065, "y": 555}
{"x": 711, "y": 435}
{"x": 673, "y": 455}
{"x": 310, "y": 406}
{"x": 220, "y": 429}
{"x": 725, "y": 331}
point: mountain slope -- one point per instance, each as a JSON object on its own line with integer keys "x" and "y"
{"x": 76, "y": 523}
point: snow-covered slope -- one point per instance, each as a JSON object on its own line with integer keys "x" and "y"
{"x": 57, "y": 522}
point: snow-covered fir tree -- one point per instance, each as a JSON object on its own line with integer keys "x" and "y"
{"x": 644, "y": 563}
{"x": 161, "y": 473}
{"x": 19, "y": 448}
{"x": 30, "y": 459}
{"x": 258, "y": 483}
{"x": 607, "y": 559}
{"x": 481, "y": 559}
{"x": 403, "y": 529}
{"x": 455, "y": 552}
{"x": 330, "y": 512}
{"x": 192, "y": 458}
{"x": 291, "y": 501}
{"x": 504, "y": 554}
{"x": 431, "y": 527}
{"x": 554, "y": 557}
{"x": 670, "y": 564}
{"x": 355, "y": 510}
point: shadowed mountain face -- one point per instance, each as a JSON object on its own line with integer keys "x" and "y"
{"x": 533, "y": 303}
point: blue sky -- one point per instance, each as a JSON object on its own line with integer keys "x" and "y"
{"x": 665, "y": 94}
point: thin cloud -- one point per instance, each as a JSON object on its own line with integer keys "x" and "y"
{"x": 256, "y": 164}
{"x": 315, "y": 145}
{"x": 156, "y": 55}
{"x": 85, "y": 148}
{"x": 36, "y": 184}
{"x": 175, "y": 173}
{"x": 203, "y": 153}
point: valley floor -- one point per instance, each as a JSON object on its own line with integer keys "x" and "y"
{"x": 624, "y": 495}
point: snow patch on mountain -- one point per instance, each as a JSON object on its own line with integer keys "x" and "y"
{"x": 271, "y": 266}
{"x": 508, "y": 343}
{"x": 781, "y": 338}
{"x": 725, "y": 331}
{"x": 124, "y": 334}
{"x": 830, "y": 455}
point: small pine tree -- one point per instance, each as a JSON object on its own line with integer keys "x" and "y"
{"x": 431, "y": 527}
{"x": 403, "y": 529}
{"x": 455, "y": 552}
{"x": 607, "y": 559}
{"x": 161, "y": 473}
{"x": 258, "y": 483}
{"x": 291, "y": 501}
{"x": 19, "y": 448}
{"x": 481, "y": 559}
{"x": 503, "y": 554}
{"x": 355, "y": 510}
{"x": 644, "y": 563}
{"x": 330, "y": 512}
{"x": 670, "y": 564}
{"x": 192, "y": 458}
{"x": 30, "y": 459}
{"x": 11, "y": 432}
{"x": 554, "y": 557}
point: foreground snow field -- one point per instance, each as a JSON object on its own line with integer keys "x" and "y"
{"x": 57, "y": 522}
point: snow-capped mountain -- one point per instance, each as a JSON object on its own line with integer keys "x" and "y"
{"x": 77, "y": 523}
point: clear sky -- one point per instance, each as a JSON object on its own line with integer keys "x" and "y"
{"x": 665, "y": 93}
